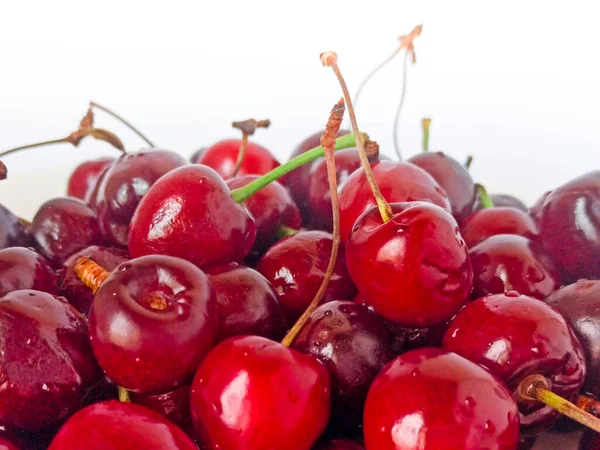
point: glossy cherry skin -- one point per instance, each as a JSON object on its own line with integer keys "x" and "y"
{"x": 6, "y": 444}
{"x": 152, "y": 321}
{"x": 63, "y": 226}
{"x": 85, "y": 176}
{"x": 246, "y": 303}
{"x": 189, "y": 213}
{"x": 432, "y": 399}
{"x": 22, "y": 268}
{"x": 516, "y": 336}
{"x": 296, "y": 266}
{"x": 173, "y": 405}
{"x": 123, "y": 186}
{"x": 46, "y": 363}
{"x": 252, "y": 393}
{"x": 502, "y": 200}
{"x": 414, "y": 270}
{"x": 73, "y": 289}
{"x": 271, "y": 207}
{"x": 353, "y": 344}
{"x": 120, "y": 426}
{"x": 12, "y": 231}
{"x": 222, "y": 157}
{"x": 488, "y": 222}
{"x": 579, "y": 303}
{"x": 508, "y": 262}
{"x": 570, "y": 227}
{"x": 341, "y": 444}
{"x": 535, "y": 212}
{"x": 453, "y": 177}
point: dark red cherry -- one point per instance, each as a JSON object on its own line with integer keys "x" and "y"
{"x": 223, "y": 155}
{"x": 508, "y": 262}
{"x": 296, "y": 266}
{"x": 197, "y": 154}
{"x": 46, "y": 363}
{"x": 579, "y": 303}
{"x": 123, "y": 186}
{"x": 431, "y": 399}
{"x": 22, "y": 268}
{"x": 120, "y": 426}
{"x": 12, "y": 231}
{"x": 63, "y": 226}
{"x": 152, "y": 321}
{"x": 103, "y": 390}
{"x": 535, "y": 212}
{"x": 488, "y": 222}
{"x": 453, "y": 177}
{"x": 252, "y": 393}
{"x": 271, "y": 207}
{"x": 414, "y": 270}
{"x": 6, "y": 444}
{"x": 398, "y": 182}
{"x": 570, "y": 227}
{"x": 71, "y": 287}
{"x": 189, "y": 213}
{"x": 353, "y": 344}
{"x": 85, "y": 176}
{"x": 590, "y": 441}
{"x": 515, "y": 336}
{"x": 247, "y": 304}
{"x": 341, "y": 444}
{"x": 502, "y": 200}
{"x": 173, "y": 405}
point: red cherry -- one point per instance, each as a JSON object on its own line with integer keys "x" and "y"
{"x": 253, "y": 393}
{"x": 501, "y": 200}
{"x": 296, "y": 266}
{"x": 189, "y": 213}
{"x": 197, "y": 154}
{"x": 85, "y": 176}
{"x": 590, "y": 441}
{"x": 453, "y": 177}
{"x": 120, "y": 426}
{"x": 535, "y": 212}
{"x": 431, "y": 399}
{"x": 497, "y": 220}
{"x": 12, "y": 231}
{"x": 223, "y": 155}
{"x": 341, "y": 444}
{"x": 22, "y": 268}
{"x": 414, "y": 270}
{"x": 152, "y": 321}
{"x": 519, "y": 336}
{"x": 507, "y": 262}
{"x": 5, "y": 444}
{"x": 173, "y": 405}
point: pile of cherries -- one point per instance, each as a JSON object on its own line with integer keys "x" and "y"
{"x": 151, "y": 307}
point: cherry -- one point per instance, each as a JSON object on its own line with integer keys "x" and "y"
{"x": 173, "y": 405}
{"x": 120, "y": 426}
{"x": 253, "y": 393}
{"x": 72, "y": 288}
{"x": 22, "y": 268}
{"x": 247, "y": 303}
{"x": 271, "y": 208}
{"x": 6, "y": 444}
{"x": 507, "y": 262}
{"x": 497, "y": 220}
{"x": 85, "y": 176}
{"x": 194, "y": 159}
{"x": 152, "y": 321}
{"x": 503, "y": 200}
{"x": 590, "y": 441}
{"x": 12, "y": 230}
{"x": 519, "y": 336}
{"x": 453, "y": 177}
{"x": 413, "y": 338}
{"x": 535, "y": 211}
{"x": 353, "y": 344}
{"x": 123, "y": 186}
{"x": 46, "y": 363}
{"x": 63, "y": 226}
{"x": 414, "y": 269}
{"x": 434, "y": 399}
{"x": 296, "y": 266}
{"x": 341, "y": 444}
{"x": 570, "y": 227}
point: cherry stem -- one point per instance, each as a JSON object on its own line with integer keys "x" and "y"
{"x": 285, "y": 231}
{"x": 123, "y": 395}
{"x": 469, "y": 161}
{"x": 248, "y": 128}
{"x": 90, "y": 273}
{"x": 329, "y": 59}
{"x": 537, "y": 387}
{"x": 589, "y": 404}
{"x": 486, "y": 200}
{"x": 124, "y": 122}
{"x": 3, "y": 171}
{"x": 425, "y": 125}
{"x": 242, "y": 194}
{"x": 328, "y": 143}
{"x": 400, "y": 106}
{"x": 381, "y": 65}
{"x": 37, "y": 144}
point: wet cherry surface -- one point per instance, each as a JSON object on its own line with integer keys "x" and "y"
{"x": 23, "y": 268}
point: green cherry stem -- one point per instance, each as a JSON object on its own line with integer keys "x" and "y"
{"x": 486, "y": 201}
{"x": 425, "y": 125}
{"x": 284, "y": 231}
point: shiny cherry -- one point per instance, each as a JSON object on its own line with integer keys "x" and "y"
{"x": 23, "y": 268}
{"x": 296, "y": 266}
{"x": 514, "y": 336}
{"x": 414, "y": 270}
{"x": 123, "y": 186}
{"x": 152, "y": 321}
{"x": 501, "y": 200}
{"x": 173, "y": 405}
{"x": 189, "y": 213}
{"x": 120, "y": 426}
{"x": 432, "y": 399}
{"x": 46, "y": 363}
{"x": 85, "y": 176}
{"x": 497, "y": 220}
{"x": 341, "y": 444}
{"x": 508, "y": 262}
{"x": 6, "y": 444}
{"x": 12, "y": 231}
{"x": 252, "y": 393}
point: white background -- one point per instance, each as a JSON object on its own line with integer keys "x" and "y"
{"x": 515, "y": 83}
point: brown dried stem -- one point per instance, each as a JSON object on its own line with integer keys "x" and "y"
{"x": 90, "y": 273}
{"x": 248, "y": 128}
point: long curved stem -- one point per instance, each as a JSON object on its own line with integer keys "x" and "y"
{"x": 371, "y": 74}
{"x": 37, "y": 144}
{"x": 124, "y": 122}
{"x": 400, "y": 106}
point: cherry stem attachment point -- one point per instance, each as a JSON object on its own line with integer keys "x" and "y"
{"x": 425, "y": 125}
{"x": 123, "y": 395}
{"x": 486, "y": 200}
{"x": 537, "y": 387}
{"x": 248, "y": 128}
{"x": 469, "y": 161}
{"x": 123, "y": 121}
{"x": 329, "y": 59}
